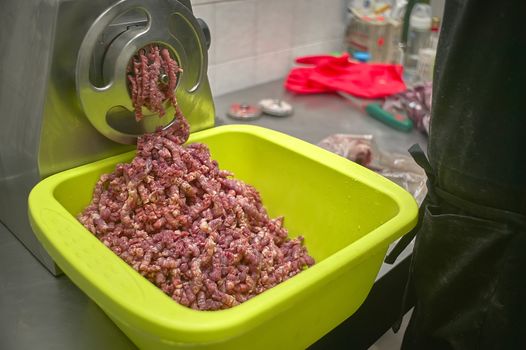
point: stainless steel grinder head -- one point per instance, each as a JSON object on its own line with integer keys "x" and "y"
{"x": 101, "y": 79}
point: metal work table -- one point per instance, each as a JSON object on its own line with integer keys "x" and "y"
{"x": 39, "y": 311}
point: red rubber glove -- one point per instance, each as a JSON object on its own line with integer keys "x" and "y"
{"x": 329, "y": 73}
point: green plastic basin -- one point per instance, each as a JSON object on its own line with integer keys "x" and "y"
{"x": 347, "y": 214}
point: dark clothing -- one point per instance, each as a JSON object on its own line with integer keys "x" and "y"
{"x": 477, "y": 145}
{"x": 469, "y": 260}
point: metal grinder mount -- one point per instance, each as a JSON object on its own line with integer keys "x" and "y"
{"x": 65, "y": 99}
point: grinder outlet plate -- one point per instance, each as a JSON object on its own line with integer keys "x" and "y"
{"x": 134, "y": 24}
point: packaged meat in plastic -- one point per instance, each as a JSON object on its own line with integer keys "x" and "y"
{"x": 399, "y": 168}
{"x": 358, "y": 148}
{"x": 415, "y": 103}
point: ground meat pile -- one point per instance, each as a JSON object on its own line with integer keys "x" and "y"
{"x": 193, "y": 230}
{"x": 152, "y": 75}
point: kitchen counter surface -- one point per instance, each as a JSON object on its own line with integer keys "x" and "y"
{"x": 40, "y": 311}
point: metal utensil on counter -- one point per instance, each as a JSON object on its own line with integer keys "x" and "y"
{"x": 397, "y": 121}
{"x": 244, "y": 111}
{"x": 276, "y": 107}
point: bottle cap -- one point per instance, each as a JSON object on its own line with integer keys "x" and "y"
{"x": 276, "y": 107}
{"x": 244, "y": 111}
{"x": 421, "y": 17}
{"x": 362, "y": 56}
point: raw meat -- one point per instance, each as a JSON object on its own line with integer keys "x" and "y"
{"x": 146, "y": 86}
{"x": 189, "y": 227}
{"x": 357, "y": 148}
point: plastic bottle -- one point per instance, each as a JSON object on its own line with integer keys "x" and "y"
{"x": 363, "y": 7}
{"x": 418, "y": 35}
{"x": 435, "y": 28}
{"x": 426, "y": 56}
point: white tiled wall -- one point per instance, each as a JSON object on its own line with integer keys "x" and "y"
{"x": 256, "y": 41}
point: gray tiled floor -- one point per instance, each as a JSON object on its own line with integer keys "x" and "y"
{"x": 391, "y": 340}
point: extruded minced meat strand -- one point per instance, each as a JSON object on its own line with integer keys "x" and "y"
{"x": 190, "y": 228}
{"x": 171, "y": 68}
{"x": 146, "y": 87}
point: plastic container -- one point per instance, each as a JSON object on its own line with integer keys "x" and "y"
{"x": 418, "y": 35}
{"x": 426, "y": 65}
{"x": 347, "y": 214}
{"x": 377, "y": 35}
{"x": 426, "y": 56}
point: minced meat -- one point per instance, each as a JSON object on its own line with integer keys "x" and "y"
{"x": 192, "y": 229}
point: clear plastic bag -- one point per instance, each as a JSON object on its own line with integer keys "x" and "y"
{"x": 400, "y": 169}
{"x": 415, "y": 103}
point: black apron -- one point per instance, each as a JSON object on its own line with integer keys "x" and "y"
{"x": 468, "y": 269}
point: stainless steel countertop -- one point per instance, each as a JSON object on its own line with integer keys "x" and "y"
{"x": 39, "y": 311}
{"x": 318, "y": 116}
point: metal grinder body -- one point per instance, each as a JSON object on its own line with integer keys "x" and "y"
{"x": 64, "y": 97}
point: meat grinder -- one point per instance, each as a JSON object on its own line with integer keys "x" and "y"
{"x": 64, "y": 96}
